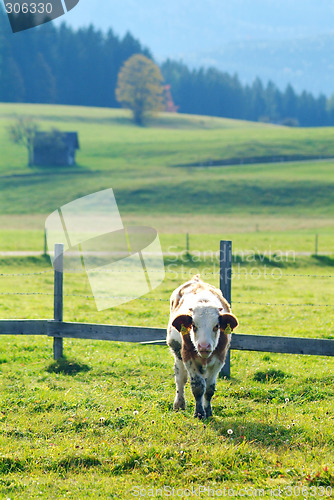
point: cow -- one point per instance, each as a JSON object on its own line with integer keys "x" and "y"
{"x": 199, "y": 335}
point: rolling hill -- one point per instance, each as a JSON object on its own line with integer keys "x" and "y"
{"x": 147, "y": 169}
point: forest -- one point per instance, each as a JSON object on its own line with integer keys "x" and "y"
{"x": 61, "y": 65}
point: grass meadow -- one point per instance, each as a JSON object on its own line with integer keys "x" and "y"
{"x": 100, "y": 423}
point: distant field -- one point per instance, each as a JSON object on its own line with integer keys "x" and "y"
{"x": 139, "y": 164}
{"x": 256, "y": 240}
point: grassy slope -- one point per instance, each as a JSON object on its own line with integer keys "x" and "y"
{"x": 138, "y": 164}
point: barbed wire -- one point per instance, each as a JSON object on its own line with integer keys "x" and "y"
{"x": 294, "y": 275}
{"x": 7, "y": 275}
{"x": 273, "y": 304}
{"x": 276, "y": 273}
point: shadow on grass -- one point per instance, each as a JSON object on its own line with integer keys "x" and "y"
{"x": 11, "y": 465}
{"x": 324, "y": 260}
{"x": 27, "y": 261}
{"x": 57, "y": 169}
{"x": 67, "y": 367}
{"x": 271, "y": 375}
{"x": 71, "y": 462}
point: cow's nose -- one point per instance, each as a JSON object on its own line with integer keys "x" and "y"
{"x": 204, "y": 347}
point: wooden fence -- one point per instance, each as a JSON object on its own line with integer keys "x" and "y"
{"x": 59, "y": 329}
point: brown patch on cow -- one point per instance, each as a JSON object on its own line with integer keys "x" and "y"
{"x": 221, "y": 350}
{"x": 197, "y": 285}
{"x": 188, "y": 350}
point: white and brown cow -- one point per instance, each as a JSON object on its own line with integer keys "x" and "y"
{"x": 199, "y": 336}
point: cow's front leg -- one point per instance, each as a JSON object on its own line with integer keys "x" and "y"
{"x": 210, "y": 390}
{"x": 197, "y": 383}
{"x": 211, "y": 386}
{"x": 180, "y": 381}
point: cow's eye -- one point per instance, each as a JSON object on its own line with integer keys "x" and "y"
{"x": 216, "y": 328}
{"x": 195, "y": 328}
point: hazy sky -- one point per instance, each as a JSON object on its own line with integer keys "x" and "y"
{"x": 287, "y": 41}
{"x": 176, "y": 27}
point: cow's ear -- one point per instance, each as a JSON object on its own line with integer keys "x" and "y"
{"x": 184, "y": 319}
{"x": 228, "y": 319}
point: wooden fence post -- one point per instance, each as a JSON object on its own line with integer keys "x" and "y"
{"x": 58, "y": 297}
{"x": 45, "y": 242}
{"x": 225, "y": 260}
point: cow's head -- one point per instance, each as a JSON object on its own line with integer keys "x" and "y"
{"x": 204, "y": 324}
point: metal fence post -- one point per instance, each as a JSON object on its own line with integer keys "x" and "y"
{"x": 225, "y": 260}
{"x": 58, "y": 297}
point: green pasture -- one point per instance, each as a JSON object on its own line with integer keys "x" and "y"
{"x": 303, "y": 282}
{"x": 140, "y": 164}
{"x": 101, "y": 425}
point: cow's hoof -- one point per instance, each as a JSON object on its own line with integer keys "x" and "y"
{"x": 208, "y": 412}
{"x": 179, "y": 404}
{"x": 200, "y": 415}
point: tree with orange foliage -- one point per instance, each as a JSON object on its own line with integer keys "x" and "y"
{"x": 140, "y": 87}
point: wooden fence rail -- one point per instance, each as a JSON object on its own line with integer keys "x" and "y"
{"x": 145, "y": 335}
{"x": 59, "y": 329}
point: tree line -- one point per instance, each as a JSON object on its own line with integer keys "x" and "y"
{"x": 213, "y": 92}
{"x": 80, "y": 67}
{"x": 63, "y": 66}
